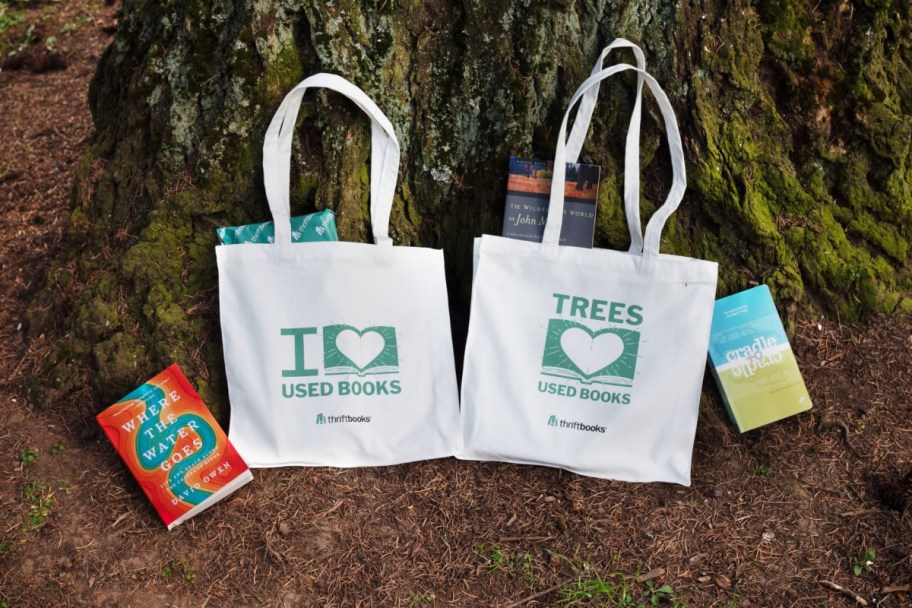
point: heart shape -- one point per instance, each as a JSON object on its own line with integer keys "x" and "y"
{"x": 589, "y": 353}
{"x": 361, "y": 348}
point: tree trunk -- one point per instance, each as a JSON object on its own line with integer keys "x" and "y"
{"x": 796, "y": 117}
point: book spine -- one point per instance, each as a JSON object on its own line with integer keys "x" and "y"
{"x": 732, "y": 415}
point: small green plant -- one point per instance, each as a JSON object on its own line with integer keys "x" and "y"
{"x": 41, "y": 500}
{"x": 28, "y": 456}
{"x": 38, "y": 513}
{"x": 33, "y": 490}
{"x": 8, "y": 19}
{"x": 74, "y": 25}
{"x": 172, "y": 568}
{"x": 859, "y": 426}
{"x": 856, "y": 271}
{"x": 496, "y": 560}
{"x": 57, "y": 448}
{"x": 865, "y": 563}
{"x": 5, "y": 547}
{"x": 421, "y": 599}
{"x": 655, "y": 594}
{"x": 590, "y": 590}
{"x": 617, "y": 590}
{"x": 524, "y": 565}
{"x": 763, "y": 470}
{"x": 27, "y": 39}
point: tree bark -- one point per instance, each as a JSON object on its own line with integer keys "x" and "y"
{"x": 796, "y": 117}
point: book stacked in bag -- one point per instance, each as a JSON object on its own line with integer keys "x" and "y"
{"x": 528, "y": 191}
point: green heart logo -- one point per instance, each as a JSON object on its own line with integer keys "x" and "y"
{"x": 606, "y": 356}
{"x": 349, "y": 350}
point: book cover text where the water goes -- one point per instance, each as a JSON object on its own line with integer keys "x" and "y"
{"x": 178, "y": 453}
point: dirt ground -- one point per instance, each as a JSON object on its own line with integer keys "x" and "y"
{"x": 800, "y": 513}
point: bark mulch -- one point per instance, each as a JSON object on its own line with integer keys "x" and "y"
{"x": 812, "y": 511}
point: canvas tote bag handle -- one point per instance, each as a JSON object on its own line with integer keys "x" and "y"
{"x": 632, "y": 152}
{"x": 277, "y": 158}
{"x": 679, "y": 176}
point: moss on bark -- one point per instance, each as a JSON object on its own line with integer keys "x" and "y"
{"x": 797, "y": 122}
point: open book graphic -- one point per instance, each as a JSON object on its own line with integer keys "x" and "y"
{"x": 606, "y": 356}
{"x": 369, "y": 351}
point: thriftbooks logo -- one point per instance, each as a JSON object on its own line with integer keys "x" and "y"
{"x": 576, "y": 426}
{"x": 321, "y": 419}
{"x": 588, "y": 355}
{"x": 346, "y": 351}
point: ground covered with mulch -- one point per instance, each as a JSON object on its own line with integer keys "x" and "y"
{"x": 807, "y": 512}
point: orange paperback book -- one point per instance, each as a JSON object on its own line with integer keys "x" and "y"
{"x": 178, "y": 453}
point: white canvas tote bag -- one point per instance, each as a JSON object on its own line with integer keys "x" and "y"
{"x": 589, "y": 360}
{"x": 336, "y": 353}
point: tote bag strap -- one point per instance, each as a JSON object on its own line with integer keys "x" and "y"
{"x": 679, "y": 177}
{"x": 277, "y": 158}
{"x": 632, "y": 152}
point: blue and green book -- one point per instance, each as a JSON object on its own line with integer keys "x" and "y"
{"x": 319, "y": 226}
{"x": 752, "y": 361}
